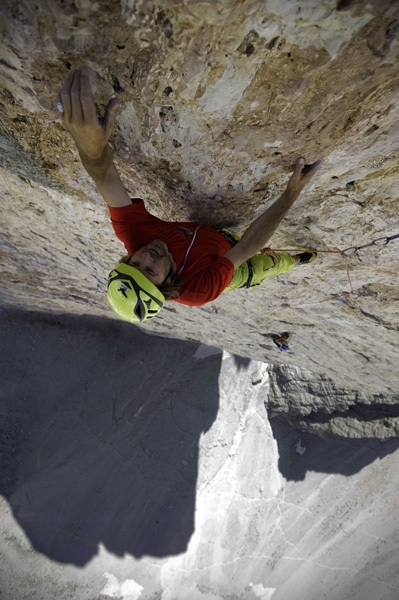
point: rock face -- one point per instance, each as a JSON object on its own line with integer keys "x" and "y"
{"x": 217, "y": 99}
{"x": 118, "y": 483}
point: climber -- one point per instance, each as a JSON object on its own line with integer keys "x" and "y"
{"x": 185, "y": 262}
{"x": 281, "y": 340}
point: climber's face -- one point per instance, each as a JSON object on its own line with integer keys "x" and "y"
{"x": 154, "y": 260}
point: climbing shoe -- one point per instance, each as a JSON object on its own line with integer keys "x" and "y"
{"x": 306, "y": 257}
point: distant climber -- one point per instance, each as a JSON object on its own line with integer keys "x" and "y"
{"x": 281, "y": 340}
{"x": 185, "y": 262}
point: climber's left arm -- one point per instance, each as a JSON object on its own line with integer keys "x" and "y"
{"x": 260, "y": 231}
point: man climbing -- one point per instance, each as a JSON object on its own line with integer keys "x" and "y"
{"x": 185, "y": 262}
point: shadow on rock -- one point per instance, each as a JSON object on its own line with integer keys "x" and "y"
{"x": 100, "y": 433}
{"x": 301, "y": 451}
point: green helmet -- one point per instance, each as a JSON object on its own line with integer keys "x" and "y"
{"x": 132, "y": 296}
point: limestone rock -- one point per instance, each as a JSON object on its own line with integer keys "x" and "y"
{"x": 118, "y": 483}
{"x": 217, "y": 99}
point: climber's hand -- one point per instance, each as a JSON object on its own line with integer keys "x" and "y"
{"x": 301, "y": 176}
{"x": 91, "y": 135}
{"x": 75, "y": 101}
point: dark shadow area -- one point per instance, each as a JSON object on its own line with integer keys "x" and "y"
{"x": 359, "y": 411}
{"x": 100, "y": 428}
{"x": 339, "y": 455}
{"x": 241, "y": 362}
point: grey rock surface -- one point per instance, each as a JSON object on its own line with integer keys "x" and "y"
{"x": 217, "y": 100}
{"x": 116, "y": 482}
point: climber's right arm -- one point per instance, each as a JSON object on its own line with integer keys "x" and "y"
{"x": 91, "y": 136}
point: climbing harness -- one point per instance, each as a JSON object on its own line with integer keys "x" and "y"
{"x": 248, "y": 282}
{"x": 233, "y": 241}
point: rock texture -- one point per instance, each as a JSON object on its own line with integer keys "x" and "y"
{"x": 217, "y": 100}
{"x": 116, "y": 483}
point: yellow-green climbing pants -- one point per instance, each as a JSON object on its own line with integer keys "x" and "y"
{"x": 263, "y": 266}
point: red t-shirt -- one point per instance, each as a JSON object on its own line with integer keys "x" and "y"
{"x": 206, "y": 272}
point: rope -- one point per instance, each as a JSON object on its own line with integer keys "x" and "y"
{"x": 285, "y": 251}
{"x": 341, "y": 252}
{"x": 348, "y": 252}
{"x": 347, "y": 272}
{"x": 272, "y": 254}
